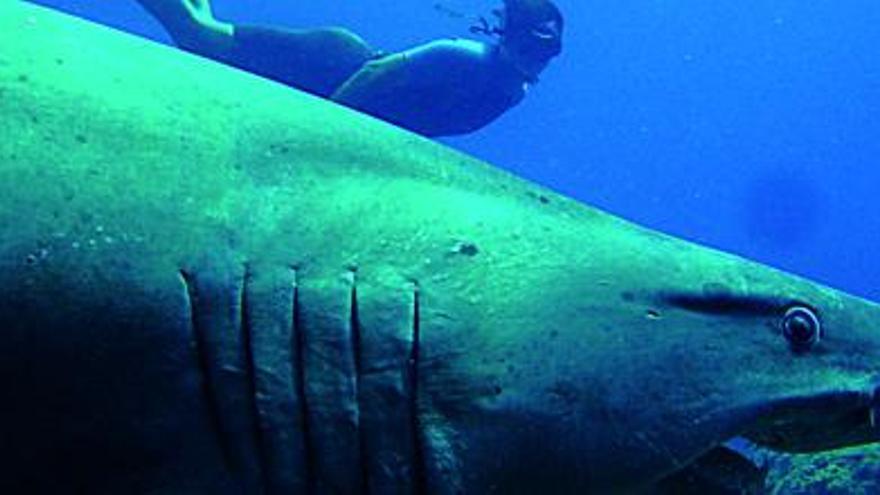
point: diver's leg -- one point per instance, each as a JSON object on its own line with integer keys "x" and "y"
{"x": 314, "y": 60}
{"x": 192, "y": 26}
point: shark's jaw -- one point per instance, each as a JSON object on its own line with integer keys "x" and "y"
{"x": 816, "y": 423}
{"x": 794, "y": 424}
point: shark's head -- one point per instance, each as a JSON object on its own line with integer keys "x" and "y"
{"x": 620, "y": 356}
{"x": 783, "y": 362}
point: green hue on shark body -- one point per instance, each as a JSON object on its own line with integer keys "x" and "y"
{"x": 213, "y": 284}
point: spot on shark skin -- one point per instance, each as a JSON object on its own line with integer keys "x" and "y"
{"x": 468, "y": 249}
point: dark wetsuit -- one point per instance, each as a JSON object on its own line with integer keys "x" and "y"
{"x": 299, "y": 58}
{"x": 439, "y": 88}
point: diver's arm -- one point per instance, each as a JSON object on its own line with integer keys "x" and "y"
{"x": 439, "y": 88}
{"x": 437, "y": 64}
{"x": 377, "y": 80}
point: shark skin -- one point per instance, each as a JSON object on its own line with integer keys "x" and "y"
{"x": 214, "y": 284}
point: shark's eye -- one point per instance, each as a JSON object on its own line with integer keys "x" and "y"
{"x": 801, "y": 328}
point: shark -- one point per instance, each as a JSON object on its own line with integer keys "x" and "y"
{"x": 214, "y": 284}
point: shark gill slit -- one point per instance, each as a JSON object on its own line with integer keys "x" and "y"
{"x": 420, "y": 484}
{"x": 355, "y": 327}
{"x": 198, "y": 335}
{"x": 251, "y": 373}
{"x": 298, "y": 341}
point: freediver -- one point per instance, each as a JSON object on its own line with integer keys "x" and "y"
{"x": 440, "y": 88}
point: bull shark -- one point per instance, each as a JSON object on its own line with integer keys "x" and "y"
{"x": 214, "y": 284}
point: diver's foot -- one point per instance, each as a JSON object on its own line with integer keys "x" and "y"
{"x": 200, "y": 12}
{"x": 192, "y": 26}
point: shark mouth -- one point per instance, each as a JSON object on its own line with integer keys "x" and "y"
{"x": 799, "y": 424}
{"x": 818, "y": 423}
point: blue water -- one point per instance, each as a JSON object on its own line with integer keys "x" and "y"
{"x": 748, "y": 126}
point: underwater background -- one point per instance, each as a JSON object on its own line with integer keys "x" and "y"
{"x": 747, "y": 126}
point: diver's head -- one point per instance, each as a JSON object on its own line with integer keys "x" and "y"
{"x": 531, "y": 33}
